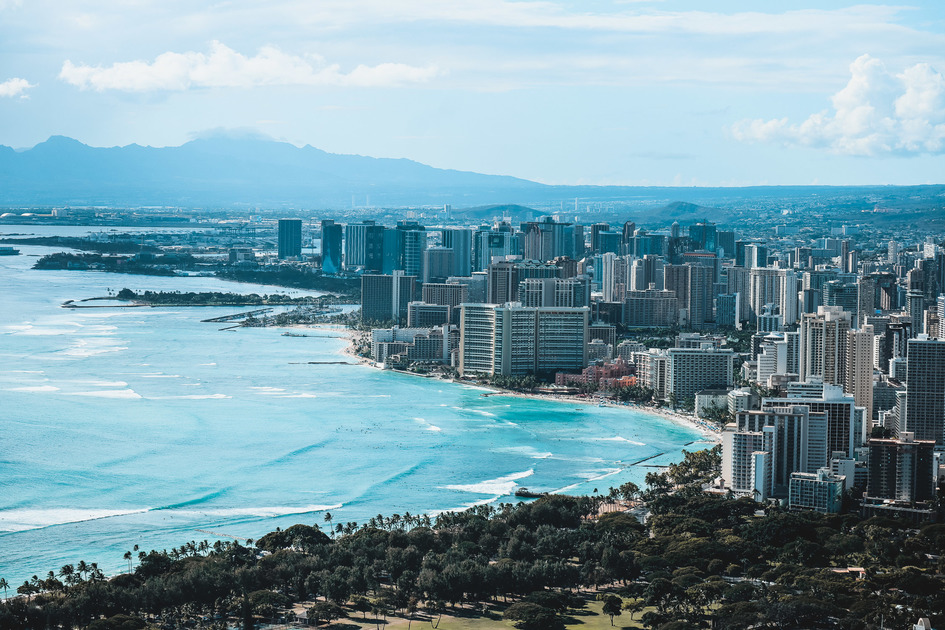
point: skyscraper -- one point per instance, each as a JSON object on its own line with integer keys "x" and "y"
{"x": 514, "y": 340}
{"x": 364, "y": 246}
{"x": 385, "y": 298}
{"x": 290, "y": 238}
{"x": 331, "y": 245}
{"x": 460, "y": 241}
{"x": 859, "y": 367}
{"x": 823, "y": 345}
{"x": 901, "y": 469}
{"x": 924, "y": 414}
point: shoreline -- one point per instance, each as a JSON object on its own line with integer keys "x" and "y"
{"x": 707, "y": 431}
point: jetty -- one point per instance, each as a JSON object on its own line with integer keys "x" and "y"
{"x": 236, "y": 316}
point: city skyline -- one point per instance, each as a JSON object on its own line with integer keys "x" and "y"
{"x": 638, "y": 93}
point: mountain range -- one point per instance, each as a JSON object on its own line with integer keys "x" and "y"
{"x": 224, "y": 171}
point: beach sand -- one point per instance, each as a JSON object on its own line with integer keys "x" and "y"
{"x": 708, "y": 432}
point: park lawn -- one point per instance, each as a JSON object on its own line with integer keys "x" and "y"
{"x": 588, "y": 618}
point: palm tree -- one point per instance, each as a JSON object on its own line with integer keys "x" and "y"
{"x": 4, "y": 585}
{"x": 328, "y": 518}
{"x": 67, "y": 573}
{"x": 82, "y": 568}
{"x": 127, "y": 557}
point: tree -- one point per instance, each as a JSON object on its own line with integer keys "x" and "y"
{"x": 612, "y": 606}
{"x": 362, "y": 605}
{"x": 435, "y": 608}
{"x": 324, "y": 611}
{"x": 530, "y": 616}
{"x": 127, "y": 557}
{"x": 328, "y": 518}
{"x": 4, "y": 585}
{"x": 634, "y": 606}
{"x": 411, "y": 610}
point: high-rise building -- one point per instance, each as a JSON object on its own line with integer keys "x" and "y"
{"x": 703, "y": 236}
{"x": 605, "y": 272}
{"x": 768, "y": 285}
{"x": 364, "y": 246}
{"x": 571, "y": 292}
{"x": 845, "y": 295}
{"x": 498, "y": 241}
{"x": 695, "y": 369}
{"x": 290, "y": 238}
{"x": 901, "y": 469}
{"x": 791, "y": 439}
{"x": 726, "y": 244}
{"x": 859, "y": 367}
{"x": 447, "y": 294}
{"x": 924, "y": 414}
{"x": 512, "y": 339}
{"x": 652, "y": 307}
{"x": 846, "y": 423}
{"x": 818, "y": 492}
{"x": 332, "y": 234}
{"x": 385, "y": 298}
{"x": 414, "y": 244}
{"x": 460, "y": 241}
{"x": 424, "y": 315}
{"x": 438, "y": 264}
{"x": 547, "y": 239}
{"x": 726, "y": 310}
{"x": 823, "y": 345}
{"x": 693, "y": 286}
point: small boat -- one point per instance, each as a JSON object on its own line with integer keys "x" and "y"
{"x": 9, "y": 251}
{"x": 524, "y": 493}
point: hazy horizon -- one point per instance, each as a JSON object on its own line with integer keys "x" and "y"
{"x": 640, "y": 93}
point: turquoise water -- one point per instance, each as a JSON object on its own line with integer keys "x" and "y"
{"x": 140, "y": 426}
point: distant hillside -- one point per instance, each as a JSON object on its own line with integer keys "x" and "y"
{"x": 487, "y": 213}
{"x": 250, "y": 172}
{"x": 686, "y": 213}
{"x": 225, "y": 172}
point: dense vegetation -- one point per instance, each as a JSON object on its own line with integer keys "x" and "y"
{"x": 117, "y": 246}
{"x": 212, "y": 298}
{"x": 146, "y": 264}
{"x": 700, "y": 561}
{"x": 298, "y": 277}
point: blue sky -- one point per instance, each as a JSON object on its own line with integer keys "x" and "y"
{"x": 624, "y": 92}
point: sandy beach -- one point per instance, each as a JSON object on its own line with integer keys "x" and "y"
{"x": 709, "y": 432}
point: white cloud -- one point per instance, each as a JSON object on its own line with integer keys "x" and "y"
{"x": 15, "y": 87}
{"x": 877, "y": 113}
{"x": 224, "y": 67}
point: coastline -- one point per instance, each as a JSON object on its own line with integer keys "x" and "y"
{"x": 707, "y": 431}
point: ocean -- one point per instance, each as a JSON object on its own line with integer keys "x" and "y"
{"x": 145, "y": 426}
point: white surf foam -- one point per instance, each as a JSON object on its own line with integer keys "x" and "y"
{"x": 261, "y": 512}
{"x": 110, "y": 393}
{"x": 499, "y": 486}
{"x": 191, "y": 397}
{"x": 618, "y": 438}
{"x": 86, "y": 348}
{"x": 101, "y": 383}
{"x": 426, "y": 425}
{"x": 525, "y": 451}
{"x": 597, "y": 475}
{"x": 19, "y": 520}
{"x": 34, "y": 388}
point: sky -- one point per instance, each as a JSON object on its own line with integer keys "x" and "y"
{"x": 633, "y": 92}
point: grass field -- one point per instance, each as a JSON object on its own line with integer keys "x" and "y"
{"x": 588, "y": 618}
